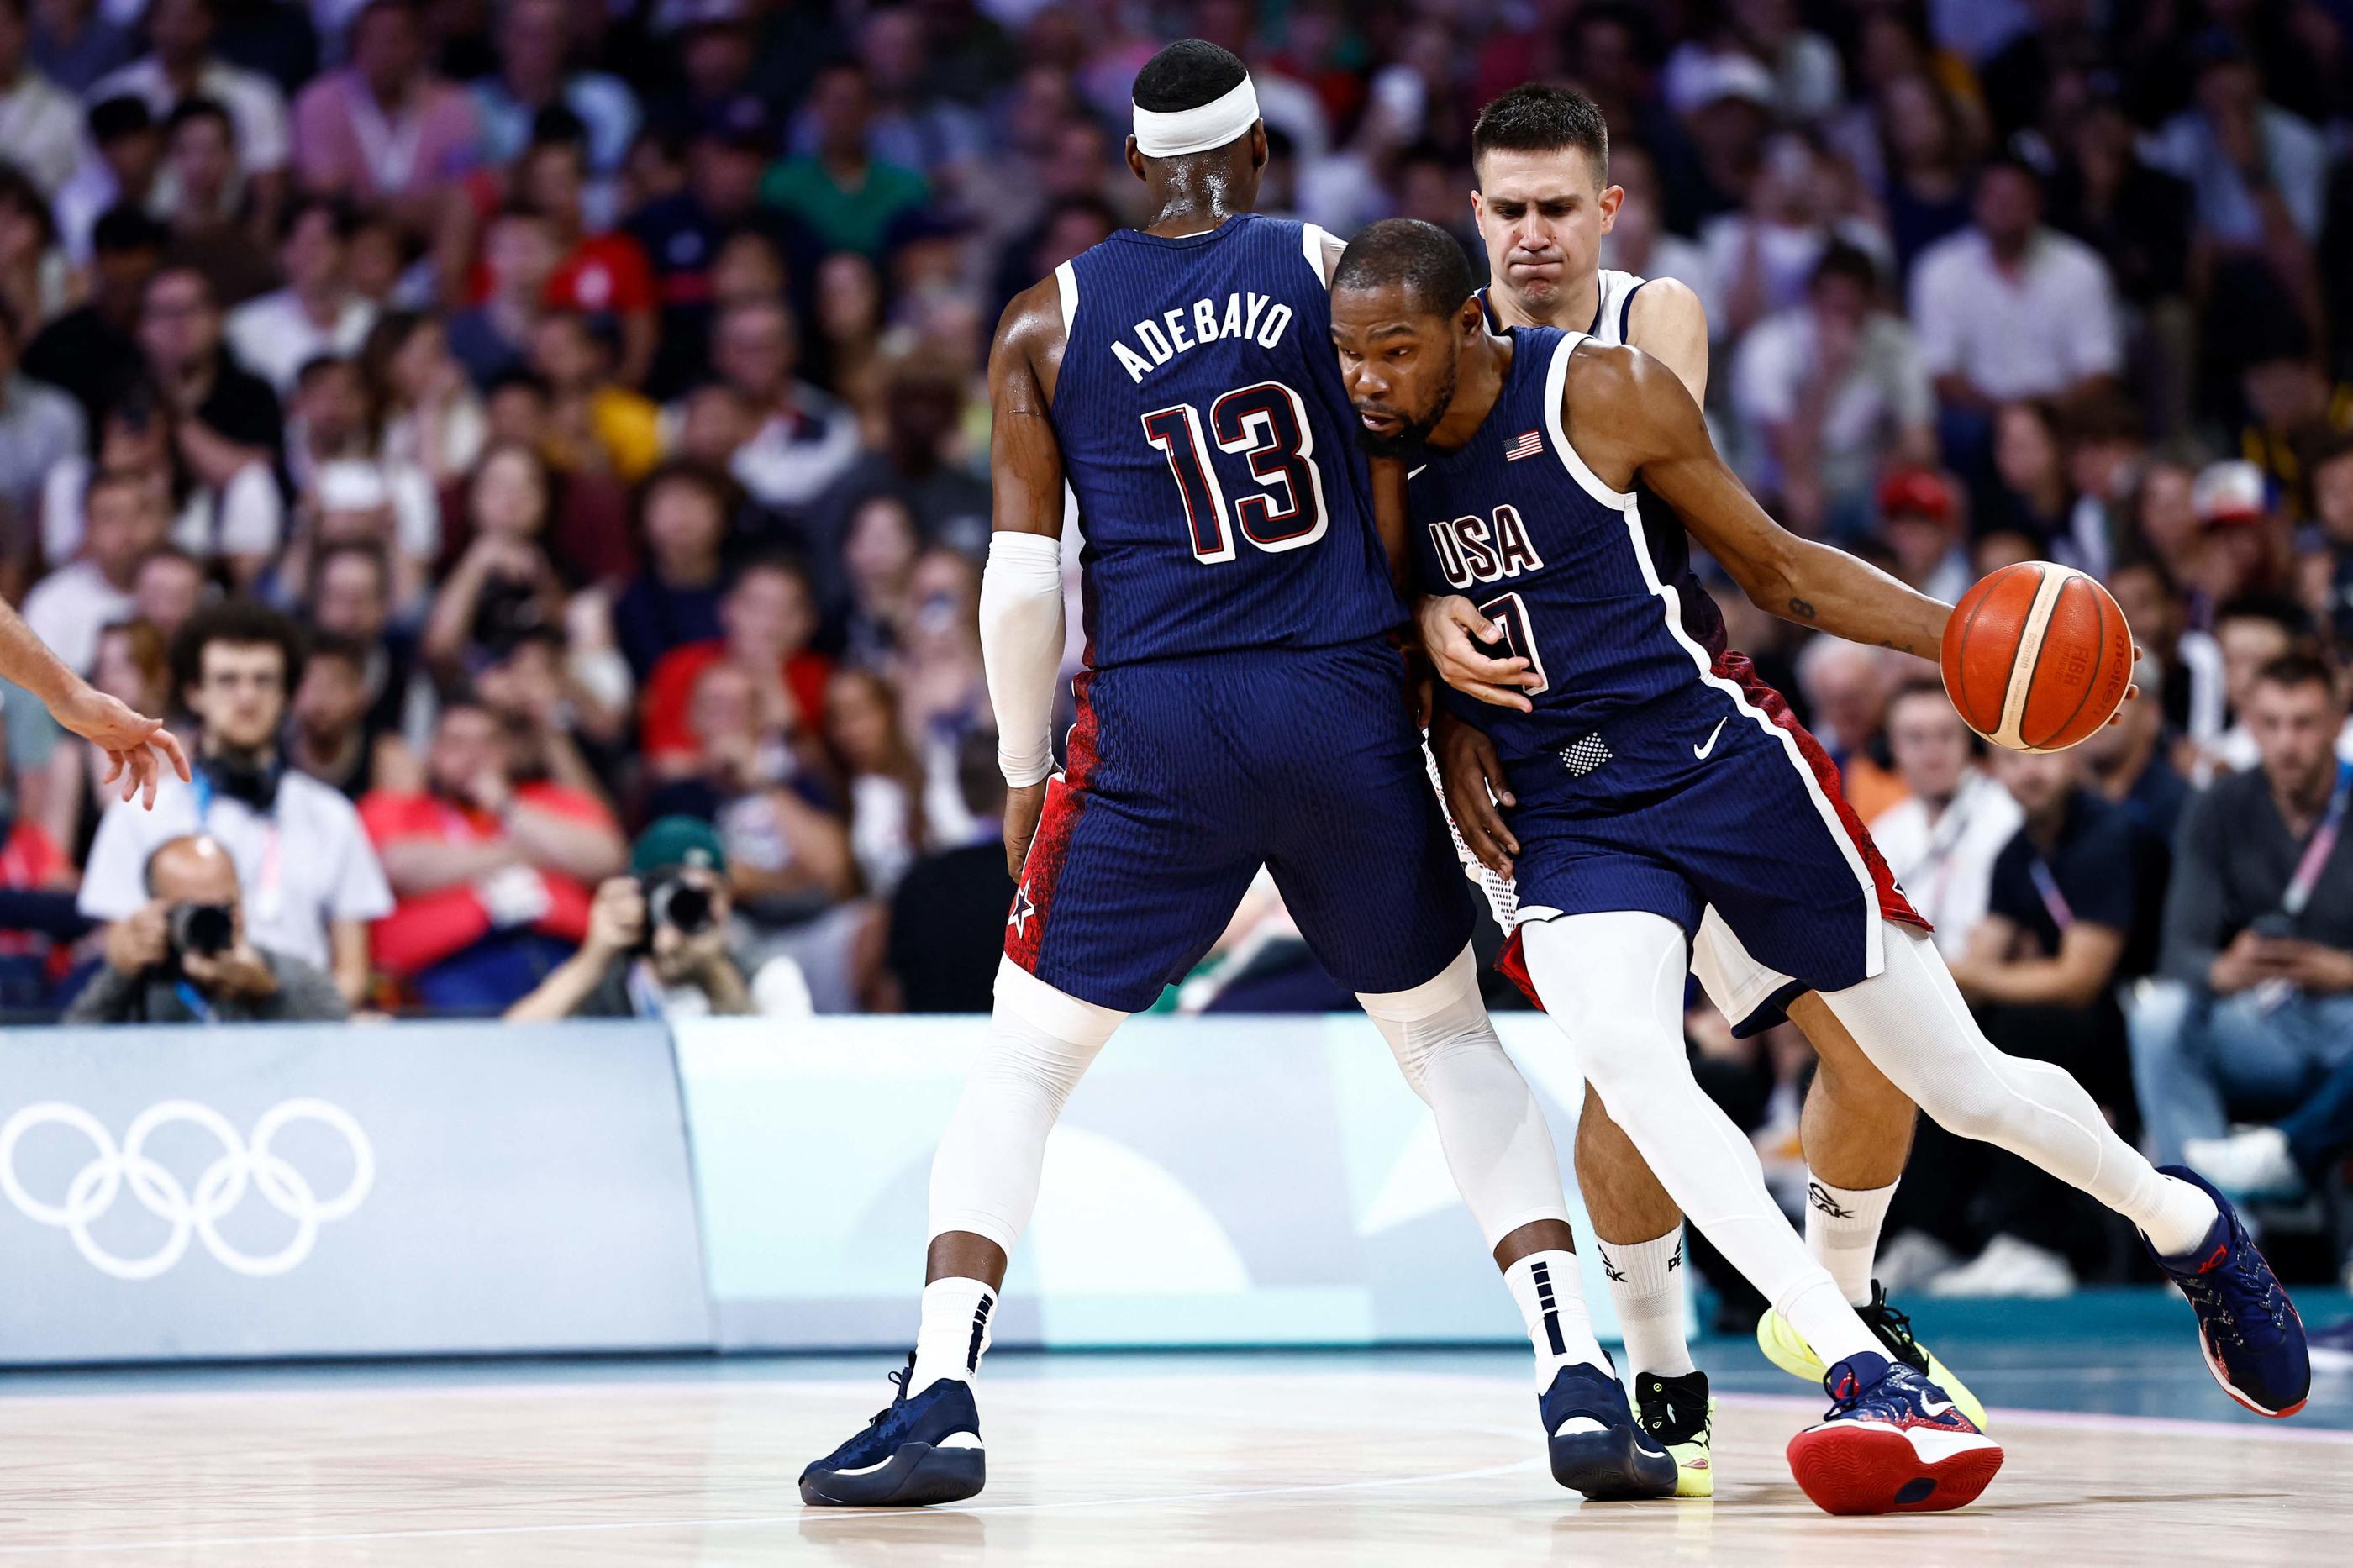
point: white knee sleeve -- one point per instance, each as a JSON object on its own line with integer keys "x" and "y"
{"x": 1911, "y": 1021}
{"x": 984, "y": 1174}
{"x": 1496, "y": 1142}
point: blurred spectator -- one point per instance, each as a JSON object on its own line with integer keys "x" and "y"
{"x": 1917, "y": 518}
{"x": 75, "y": 44}
{"x": 185, "y": 956}
{"x": 535, "y": 74}
{"x": 2259, "y": 172}
{"x": 520, "y": 251}
{"x": 330, "y": 737}
{"x": 184, "y": 66}
{"x": 923, "y": 405}
{"x": 1923, "y": 147}
{"x": 2007, "y": 307}
{"x": 2255, "y": 1003}
{"x": 129, "y": 157}
{"x": 661, "y": 941}
{"x": 601, "y": 426}
{"x": 316, "y": 313}
{"x": 599, "y": 272}
{"x": 1826, "y": 390}
{"x": 2328, "y": 573}
{"x": 871, "y": 757}
{"x": 947, "y": 914}
{"x": 312, "y": 881}
{"x": 2249, "y": 633}
{"x": 1638, "y": 242}
{"x": 39, "y": 427}
{"x": 345, "y": 492}
{"x": 1845, "y": 688}
{"x": 1761, "y": 258}
{"x": 2029, "y": 494}
{"x": 167, "y": 588}
{"x": 849, "y": 197}
{"x": 227, "y": 435}
{"x": 2292, "y": 411}
{"x": 682, "y": 516}
{"x": 492, "y": 869}
{"x": 802, "y": 440}
{"x": 1942, "y": 840}
{"x": 2127, "y": 763}
{"x": 93, "y": 351}
{"x": 2106, "y": 453}
{"x": 767, "y": 617}
{"x": 67, "y": 608}
{"x": 878, "y": 560}
{"x": 422, "y": 407}
{"x": 505, "y": 584}
{"x": 215, "y": 229}
{"x": 387, "y": 129}
{"x": 40, "y": 123}
{"x": 350, "y": 588}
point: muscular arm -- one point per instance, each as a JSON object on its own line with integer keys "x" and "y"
{"x": 1667, "y": 323}
{"x": 417, "y": 866}
{"x": 2088, "y": 955}
{"x": 1627, "y": 412}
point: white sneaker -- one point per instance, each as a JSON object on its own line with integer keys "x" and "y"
{"x": 1912, "y": 1261}
{"x": 2251, "y": 1162}
{"x": 2008, "y": 1266}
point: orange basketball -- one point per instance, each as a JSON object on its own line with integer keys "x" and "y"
{"x": 2036, "y": 657}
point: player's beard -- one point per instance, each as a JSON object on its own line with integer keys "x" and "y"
{"x": 1407, "y": 442}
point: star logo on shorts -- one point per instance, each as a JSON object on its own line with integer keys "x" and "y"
{"x": 1023, "y": 912}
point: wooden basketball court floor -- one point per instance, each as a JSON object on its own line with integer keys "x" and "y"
{"x": 1098, "y": 1462}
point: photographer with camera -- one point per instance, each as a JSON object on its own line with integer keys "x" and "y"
{"x": 657, "y": 942}
{"x": 183, "y": 957}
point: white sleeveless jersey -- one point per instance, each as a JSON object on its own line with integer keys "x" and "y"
{"x": 1611, "y": 309}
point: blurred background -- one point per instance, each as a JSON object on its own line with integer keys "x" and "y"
{"x": 536, "y": 450}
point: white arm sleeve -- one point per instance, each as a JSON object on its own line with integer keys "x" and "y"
{"x": 1021, "y": 648}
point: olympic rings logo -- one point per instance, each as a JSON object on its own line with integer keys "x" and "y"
{"x": 217, "y": 1191}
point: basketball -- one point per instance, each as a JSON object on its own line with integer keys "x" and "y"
{"x": 2036, "y": 657}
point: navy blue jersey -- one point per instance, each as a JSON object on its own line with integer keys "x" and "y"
{"x": 1515, "y": 522}
{"x": 1207, "y": 436}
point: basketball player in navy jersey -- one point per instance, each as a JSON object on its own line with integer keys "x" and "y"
{"x": 1242, "y": 703}
{"x": 1653, "y": 778}
{"x": 1543, "y": 201}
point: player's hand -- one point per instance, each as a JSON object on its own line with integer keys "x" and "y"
{"x": 136, "y": 747}
{"x": 1473, "y": 777}
{"x": 1452, "y": 629}
{"x": 2131, "y": 694}
{"x": 1023, "y": 806}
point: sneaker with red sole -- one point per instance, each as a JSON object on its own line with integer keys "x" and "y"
{"x": 1890, "y": 1443}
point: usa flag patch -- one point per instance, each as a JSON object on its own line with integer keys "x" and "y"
{"x": 1527, "y": 445}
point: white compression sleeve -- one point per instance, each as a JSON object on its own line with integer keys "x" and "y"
{"x": 985, "y": 1175}
{"x": 1021, "y": 648}
{"x": 1614, "y": 984}
{"x": 1910, "y": 1020}
{"x": 1489, "y": 1125}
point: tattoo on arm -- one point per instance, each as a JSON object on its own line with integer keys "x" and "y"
{"x": 1800, "y": 608}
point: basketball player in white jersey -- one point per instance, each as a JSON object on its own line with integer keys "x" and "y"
{"x": 1537, "y": 152}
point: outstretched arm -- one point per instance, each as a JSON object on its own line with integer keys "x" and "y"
{"x": 1630, "y": 414}
{"x": 1021, "y": 587}
{"x": 137, "y": 748}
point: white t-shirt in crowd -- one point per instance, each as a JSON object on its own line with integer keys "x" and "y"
{"x": 1885, "y": 392}
{"x": 305, "y": 863}
{"x": 1946, "y": 867}
{"x": 274, "y": 336}
{"x": 67, "y": 609}
{"x": 257, "y": 110}
{"x": 41, "y": 127}
{"x": 2031, "y": 334}
{"x": 246, "y": 518}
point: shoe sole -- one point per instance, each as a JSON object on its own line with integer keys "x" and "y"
{"x": 918, "y": 1475}
{"x": 1786, "y": 1350}
{"x": 1612, "y": 1466}
{"x": 1850, "y": 1468}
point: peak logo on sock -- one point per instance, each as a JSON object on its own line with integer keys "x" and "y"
{"x": 1676, "y": 1259}
{"x": 1820, "y": 1198}
{"x": 1609, "y": 1269}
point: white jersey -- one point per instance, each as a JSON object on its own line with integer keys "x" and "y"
{"x": 1610, "y": 310}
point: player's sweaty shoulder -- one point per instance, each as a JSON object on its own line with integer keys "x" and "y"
{"x": 1027, "y": 354}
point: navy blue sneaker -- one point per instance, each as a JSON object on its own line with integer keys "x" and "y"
{"x": 1890, "y": 1443}
{"x": 921, "y": 1450}
{"x": 2252, "y": 1340}
{"x": 1597, "y": 1447}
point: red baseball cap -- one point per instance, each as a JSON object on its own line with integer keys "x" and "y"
{"x": 1917, "y": 492}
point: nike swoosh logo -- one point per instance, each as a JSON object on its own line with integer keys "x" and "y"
{"x": 1415, "y": 473}
{"x": 1701, "y": 753}
{"x": 1934, "y": 1408}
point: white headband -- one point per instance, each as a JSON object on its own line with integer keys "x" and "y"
{"x": 1179, "y": 131}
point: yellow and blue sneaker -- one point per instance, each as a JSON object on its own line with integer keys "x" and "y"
{"x": 1679, "y": 1417}
{"x": 1788, "y": 1349}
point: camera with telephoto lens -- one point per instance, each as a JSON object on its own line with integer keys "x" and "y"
{"x": 205, "y": 928}
{"x": 673, "y": 901}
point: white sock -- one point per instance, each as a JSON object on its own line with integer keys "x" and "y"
{"x": 1842, "y": 1226}
{"x": 1552, "y": 1302}
{"x": 2173, "y": 1215}
{"x": 1646, "y": 1287}
{"x": 954, "y": 1334}
{"x": 1820, "y": 1312}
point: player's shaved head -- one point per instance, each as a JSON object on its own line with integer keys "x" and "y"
{"x": 1420, "y": 257}
{"x": 1190, "y": 74}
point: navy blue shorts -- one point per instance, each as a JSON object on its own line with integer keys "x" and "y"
{"x": 1186, "y": 776}
{"x": 1758, "y": 826}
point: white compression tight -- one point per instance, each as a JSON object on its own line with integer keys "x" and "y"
{"x": 1614, "y": 984}
{"x": 1910, "y": 1020}
{"x": 1040, "y": 1041}
{"x": 1496, "y": 1143}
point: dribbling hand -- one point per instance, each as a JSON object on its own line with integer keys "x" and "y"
{"x": 136, "y": 746}
{"x": 1452, "y": 628}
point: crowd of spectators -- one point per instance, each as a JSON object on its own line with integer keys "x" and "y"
{"x": 535, "y": 448}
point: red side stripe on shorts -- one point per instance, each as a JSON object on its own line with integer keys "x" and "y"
{"x": 1066, "y": 799}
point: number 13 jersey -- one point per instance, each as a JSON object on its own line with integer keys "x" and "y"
{"x": 1207, "y": 436}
